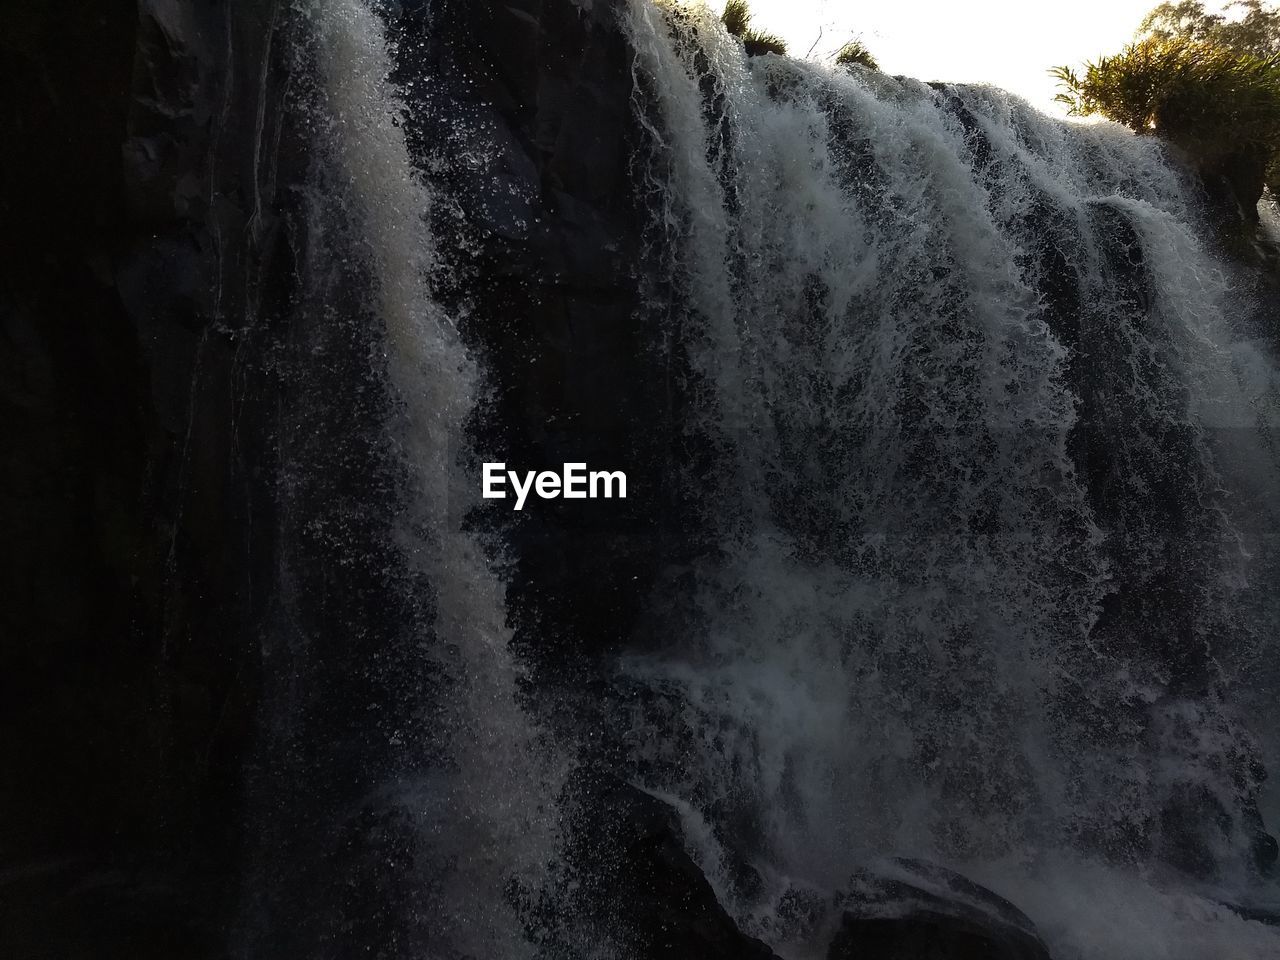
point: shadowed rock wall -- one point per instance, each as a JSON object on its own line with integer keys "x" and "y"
{"x": 136, "y": 497}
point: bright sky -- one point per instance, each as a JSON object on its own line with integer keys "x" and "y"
{"x": 1008, "y": 43}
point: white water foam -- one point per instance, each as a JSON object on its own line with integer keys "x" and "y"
{"x": 491, "y": 816}
{"x": 903, "y": 649}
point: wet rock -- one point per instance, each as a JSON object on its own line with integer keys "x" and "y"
{"x": 1233, "y": 182}
{"x": 913, "y": 910}
{"x": 132, "y": 493}
{"x": 638, "y": 884}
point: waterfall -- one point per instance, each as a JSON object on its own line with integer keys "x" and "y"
{"x": 486, "y": 811}
{"x": 993, "y": 545}
{"x": 993, "y": 514}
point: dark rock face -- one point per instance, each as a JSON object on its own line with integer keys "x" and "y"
{"x": 123, "y": 726}
{"x": 1234, "y": 182}
{"x": 136, "y": 496}
{"x": 924, "y": 912}
{"x": 73, "y": 392}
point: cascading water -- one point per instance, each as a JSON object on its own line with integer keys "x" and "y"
{"x": 993, "y": 506}
{"x": 998, "y": 484}
{"x": 485, "y": 810}
{"x": 939, "y": 616}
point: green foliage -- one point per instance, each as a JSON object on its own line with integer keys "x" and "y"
{"x": 759, "y": 43}
{"x": 854, "y": 52}
{"x": 737, "y": 20}
{"x": 1256, "y": 30}
{"x": 1189, "y": 89}
{"x": 1212, "y": 98}
{"x": 1252, "y": 30}
{"x": 736, "y": 17}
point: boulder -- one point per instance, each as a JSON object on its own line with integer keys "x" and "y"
{"x": 914, "y": 910}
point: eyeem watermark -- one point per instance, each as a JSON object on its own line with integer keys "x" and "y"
{"x": 573, "y": 483}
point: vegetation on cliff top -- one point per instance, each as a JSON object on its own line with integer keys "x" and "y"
{"x": 1256, "y": 31}
{"x": 737, "y": 20}
{"x": 1207, "y": 83}
{"x": 854, "y": 52}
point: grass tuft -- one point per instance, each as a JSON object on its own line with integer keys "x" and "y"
{"x": 737, "y": 20}
{"x": 853, "y": 53}
{"x": 759, "y": 43}
{"x": 736, "y": 17}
